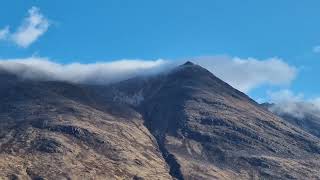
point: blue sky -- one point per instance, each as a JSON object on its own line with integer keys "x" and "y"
{"x": 90, "y": 31}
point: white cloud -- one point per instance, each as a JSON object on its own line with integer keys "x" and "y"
{"x": 32, "y": 27}
{"x": 4, "y": 33}
{"x": 247, "y": 74}
{"x": 296, "y": 105}
{"x": 316, "y": 49}
{"x": 95, "y": 73}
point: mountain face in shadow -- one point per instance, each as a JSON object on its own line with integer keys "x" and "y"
{"x": 183, "y": 124}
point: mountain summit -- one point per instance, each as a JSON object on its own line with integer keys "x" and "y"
{"x": 184, "y": 124}
{"x": 188, "y": 63}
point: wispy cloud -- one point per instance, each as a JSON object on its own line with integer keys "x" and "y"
{"x": 4, "y": 33}
{"x": 246, "y": 74}
{"x": 316, "y": 49}
{"x": 32, "y": 27}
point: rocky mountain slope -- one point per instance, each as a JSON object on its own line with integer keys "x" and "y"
{"x": 58, "y": 130}
{"x": 184, "y": 124}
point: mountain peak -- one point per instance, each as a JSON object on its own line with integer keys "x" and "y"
{"x": 188, "y": 63}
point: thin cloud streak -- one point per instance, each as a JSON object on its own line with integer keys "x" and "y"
{"x": 96, "y": 73}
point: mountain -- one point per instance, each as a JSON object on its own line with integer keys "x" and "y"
{"x": 182, "y": 124}
{"x": 210, "y": 130}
